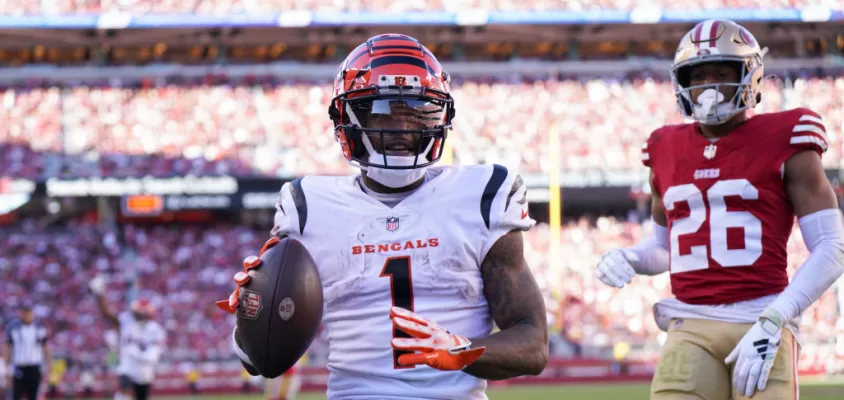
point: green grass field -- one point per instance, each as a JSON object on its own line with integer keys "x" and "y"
{"x": 808, "y": 391}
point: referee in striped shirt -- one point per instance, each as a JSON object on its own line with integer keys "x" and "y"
{"x": 26, "y": 350}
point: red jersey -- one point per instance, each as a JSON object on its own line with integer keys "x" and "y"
{"x": 729, "y": 215}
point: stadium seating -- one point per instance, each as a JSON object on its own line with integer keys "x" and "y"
{"x": 187, "y": 267}
{"x": 281, "y": 128}
{"x": 257, "y": 6}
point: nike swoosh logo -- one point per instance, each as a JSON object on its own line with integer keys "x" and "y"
{"x": 524, "y": 214}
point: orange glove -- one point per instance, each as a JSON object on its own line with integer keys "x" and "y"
{"x": 439, "y": 348}
{"x": 241, "y": 278}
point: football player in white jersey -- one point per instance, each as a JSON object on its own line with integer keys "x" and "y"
{"x": 141, "y": 342}
{"x": 405, "y": 243}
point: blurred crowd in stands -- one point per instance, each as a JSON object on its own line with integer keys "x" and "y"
{"x": 275, "y": 128}
{"x": 18, "y": 7}
{"x": 185, "y": 268}
{"x": 263, "y": 126}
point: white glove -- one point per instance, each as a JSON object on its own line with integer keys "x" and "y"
{"x": 755, "y": 354}
{"x": 97, "y": 285}
{"x": 615, "y": 270}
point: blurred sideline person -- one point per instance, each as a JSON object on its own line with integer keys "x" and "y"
{"x": 141, "y": 343}
{"x": 286, "y": 386}
{"x": 27, "y": 353}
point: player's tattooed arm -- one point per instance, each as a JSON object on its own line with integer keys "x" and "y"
{"x": 518, "y": 308}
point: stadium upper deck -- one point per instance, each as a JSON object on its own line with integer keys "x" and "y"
{"x": 266, "y": 127}
{"x": 226, "y": 6}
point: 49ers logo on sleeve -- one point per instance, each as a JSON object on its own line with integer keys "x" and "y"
{"x": 395, "y": 246}
{"x": 250, "y": 306}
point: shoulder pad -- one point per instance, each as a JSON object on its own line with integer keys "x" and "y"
{"x": 504, "y": 200}
{"x": 504, "y": 206}
{"x": 651, "y": 147}
{"x": 806, "y": 130}
{"x": 291, "y": 213}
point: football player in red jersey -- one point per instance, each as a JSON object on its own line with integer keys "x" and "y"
{"x": 725, "y": 190}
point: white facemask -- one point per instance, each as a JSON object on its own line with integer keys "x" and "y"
{"x": 710, "y": 108}
{"x": 394, "y": 178}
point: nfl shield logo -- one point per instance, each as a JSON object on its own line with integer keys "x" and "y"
{"x": 250, "y": 306}
{"x": 392, "y": 224}
{"x": 709, "y": 151}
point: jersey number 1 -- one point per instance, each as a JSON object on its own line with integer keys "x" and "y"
{"x": 719, "y": 221}
{"x": 401, "y": 290}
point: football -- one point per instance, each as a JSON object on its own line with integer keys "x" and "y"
{"x": 280, "y": 308}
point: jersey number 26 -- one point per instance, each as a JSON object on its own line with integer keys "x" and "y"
{"x": 719, "y": 221}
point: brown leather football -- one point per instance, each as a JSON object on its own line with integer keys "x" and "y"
{"x": 280, "y": 308}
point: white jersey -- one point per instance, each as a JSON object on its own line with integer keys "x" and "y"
{"x": 424, "y": 254}
{"x": 141, "y": 345}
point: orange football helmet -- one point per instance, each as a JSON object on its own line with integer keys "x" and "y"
{"x": 143, "y": 307}
{"x": 388, "y": 90}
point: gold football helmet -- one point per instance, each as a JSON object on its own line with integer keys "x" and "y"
{"x": 718, "y": 41}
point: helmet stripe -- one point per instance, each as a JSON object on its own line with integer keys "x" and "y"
{"x": 377, "y": 62}
{"x": 351, "y": 59}
{"x": 395, "y": 47}
{"x": 713, "y": 32}
{"x": 698, "y": 31}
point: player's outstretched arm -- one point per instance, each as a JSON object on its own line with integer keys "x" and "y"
{"x": 97, "y": 287}
{"x": 518, "y": 308}
{"x": 109, "y": 315}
